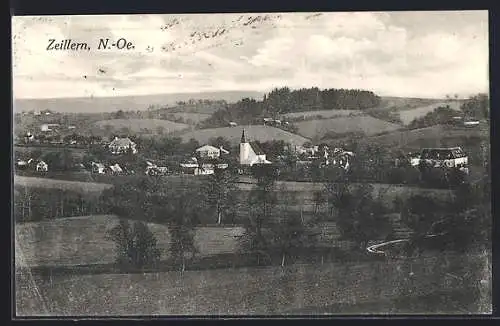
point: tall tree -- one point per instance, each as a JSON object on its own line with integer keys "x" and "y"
{"x": 362, "y": 218}
{"x": 220, "y": 191}
{"x": 262, "y": 203}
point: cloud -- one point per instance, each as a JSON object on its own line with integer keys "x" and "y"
{"x": 391, "y": 53}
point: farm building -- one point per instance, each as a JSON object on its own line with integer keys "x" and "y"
{"x": 250, "y": 153}
{"x": 23, "y": 164}
{"x": 49, "y": 126}
{"x": 122, "y": 145}
{"x": 98, "y": 168}
{"x": 29, "y": 137}
{"x": 193, "y": 166}
{"x": 208, "y": 151}
{"x": 153, "y": 169}
{"x": 42, "y": 166}
{"x": 115, "y": 169}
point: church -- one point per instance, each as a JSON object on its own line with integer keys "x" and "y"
{"x": 250, "y": 153}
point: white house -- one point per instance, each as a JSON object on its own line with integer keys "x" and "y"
{"x": 98, "y": 168}
{"x": 49, "y": 126}
{"x": 29, "y": 137}
{"x": 42, "y": 166}
{"x": 22, "y": 164}
{"x": 193, "y": 166}
{"x": 116, "y": 168}
{"x": 122, "y": 145}
{"x": 208, "y": 151}
{"x": 341, "y": 158}
{"x": 250, "y": 153}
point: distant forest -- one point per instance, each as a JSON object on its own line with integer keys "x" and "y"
{"x": 283, "y": 100}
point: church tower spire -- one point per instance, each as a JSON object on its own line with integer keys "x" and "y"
{"x": 243, "y": 138}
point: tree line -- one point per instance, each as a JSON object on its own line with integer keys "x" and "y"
{"x": 284, "y": 100}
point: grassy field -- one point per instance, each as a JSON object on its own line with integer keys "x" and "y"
{"x": 138, "y": 125}
{"x": 265, "y": 290}
{"x": 77, "y": 153}
{"x": 82, "y": 240}
{"x": 409, "y": 115}
{"x": 253, "y": 132}
{"x": 405, "y": 103}
{"x": 435, "y": 136}
{"x": 188, "y": 117}
{"x": 39, "y": 182}
{"x": 362, "y": 124}
{"x": 323, "y": 113}
{"x": 133, "y": 102}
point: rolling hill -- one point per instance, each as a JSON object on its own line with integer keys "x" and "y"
{"x": 138, "y": 125}
{"x": 140, "y": 102}
{"x": 82, "y": 240}
{"x": 253, "y": 132}
{"x": 408, "y": 116}
{"x": 188, "y": 117}
{"x": 362, "y": 124}
{"x": 323, "y": 113}
{"x": 438, "y": 135}
{"x": 405, "y": 103}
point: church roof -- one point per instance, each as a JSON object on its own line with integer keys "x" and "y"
{"x": 256, "y": 148}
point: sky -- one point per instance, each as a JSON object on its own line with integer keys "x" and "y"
{"x": 409, "y": 54}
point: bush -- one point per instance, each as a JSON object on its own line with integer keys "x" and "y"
{"x": 136, "y": 246}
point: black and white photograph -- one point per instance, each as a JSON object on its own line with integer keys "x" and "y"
{"x": 251, "y": 164}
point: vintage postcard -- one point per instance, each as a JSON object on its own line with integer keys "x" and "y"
{"x": 252, "y": 164}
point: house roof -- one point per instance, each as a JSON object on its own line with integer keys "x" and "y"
{"x": 121, "y": 142}
{"x": 207, "y": 148}
{"x": 256, "y": 148}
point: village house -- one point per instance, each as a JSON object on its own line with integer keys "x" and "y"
{"x": 98, "y": 168}
{"x": 208, "y": 151}
{"x": 42, "y": 167}
{"x": 122, "y": 145}
{"x": 115, "y": 169}
{"x": 153, "y": 169}
{"x": 49, "y": 127}
{"x": 250, "y": 153}
{"x": 193, "y": 166}
{"x": 23, "y": 164}
{"x": 29, "y": 137}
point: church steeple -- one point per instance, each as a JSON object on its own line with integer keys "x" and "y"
{"x": 243, "y": 138}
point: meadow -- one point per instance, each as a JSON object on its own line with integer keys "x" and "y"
{"x": 152, "y": 126}
{"x": 362, "y": 124}
{"x": 404, "y": 103}
{"x": 323, "y": 113}
{"x": 409, "y": 115}
{"x": 434, "y": 136}
{"x": 265, "y": 290}
{"x": 40, "y": 182}
{"x": 253, "y": 132}
{"x": 188, "y": 117}
{"x": 82, "y": 240}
